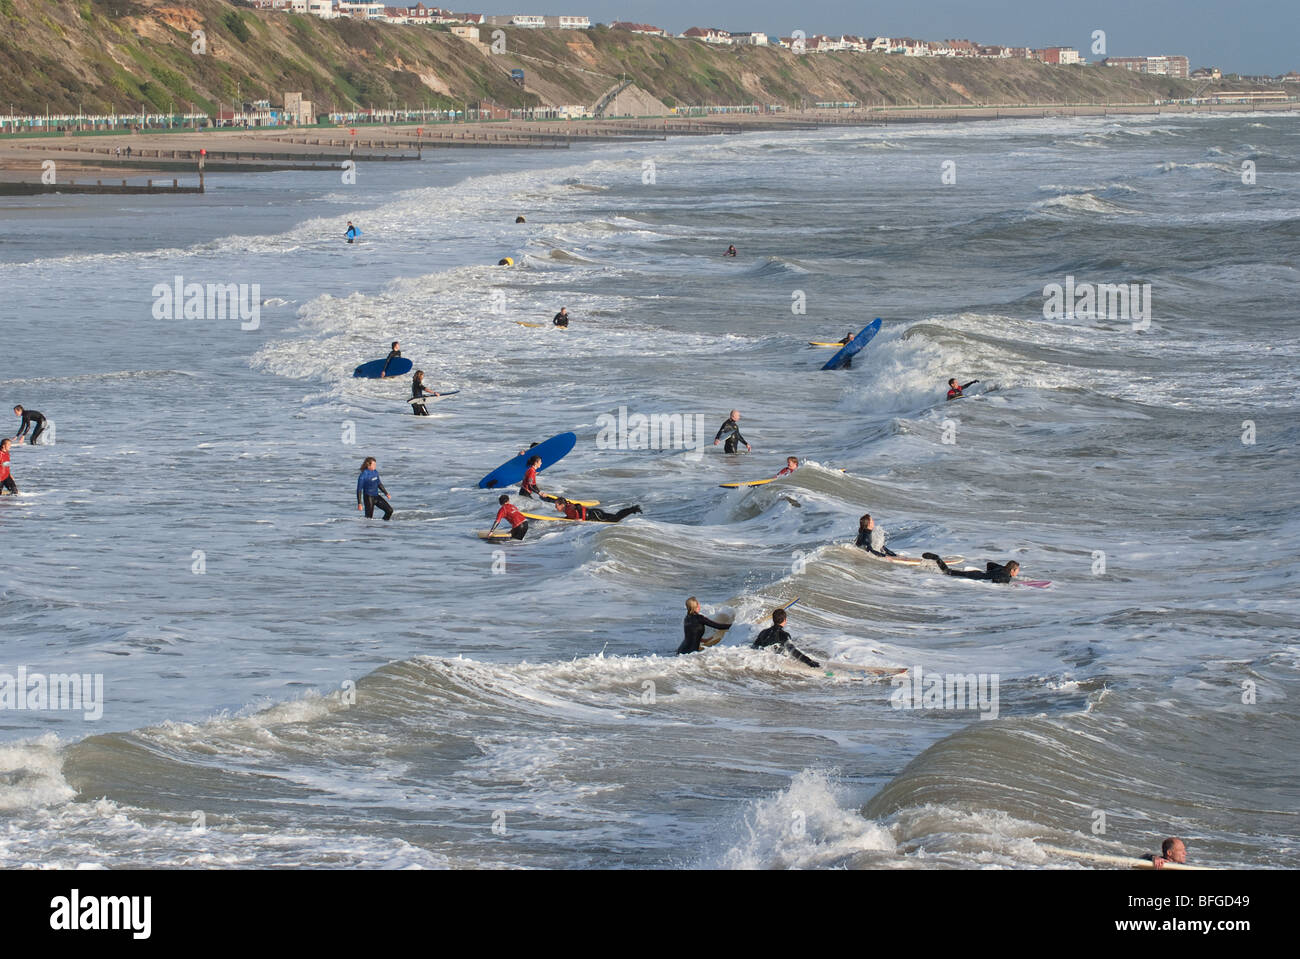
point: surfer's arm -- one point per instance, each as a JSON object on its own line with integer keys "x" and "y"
{"x": 708, "y": 622}
{"x": 966, "y": 386}
{"x": 806, "y": 660}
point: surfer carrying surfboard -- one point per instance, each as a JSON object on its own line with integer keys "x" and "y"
{"x": 419, "y": 389}
{"x": 562, "y": 318}
{"x": 393, "y": 354}
{"x": 352, "y": 232}
{"x": 508, "y": 512}
{"x": 993, "y": 572}
{"x": 30, "y": 418}
{"x": 369, "y": 488}
{"x": 872, "y": 539}
{"x": 589, "y": 514}
{"x": 778, "y": 640}
{"x": 955, "y": 391}
{"x": 731, "y": 429}
{"x": 7, "y": 485}
{"x": 694, "y": 626}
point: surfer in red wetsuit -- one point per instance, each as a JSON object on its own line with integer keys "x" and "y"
{"x": 518, "y": 522}
{"x": 791, "y": 464}
{"x": 7, "y": 485}
{"x": 528, "y": 485}
{"x": 589, "y": 514}
{"x": 955, "y": 391}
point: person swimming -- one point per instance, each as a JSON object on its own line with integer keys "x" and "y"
{"x": 955, "y": 391}
{"x": 870, "y": 538}
{"x": 589, "y": 514}
{"x": 992, "y": 572}
{"x": 778, "y": 640}
{"x": 693, "y": 627}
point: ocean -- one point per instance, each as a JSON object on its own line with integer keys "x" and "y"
{"x": 267, "y": 679}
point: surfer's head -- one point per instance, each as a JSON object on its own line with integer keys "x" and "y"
{"x": 1174, "y": 849}
{"x": 503, "y": 499}
{"x": 866, "y": 522}
{"x": 792, "y": 462}
{"x": 18, "y": 411}
{"x": 692, "y": 605}
{"x": 778, "y": 618}
{"x": 368, "y": 463}
{"x": 735, "y": 415}
{"x": 953, "y": 381}
{"x": 534, "y": 461}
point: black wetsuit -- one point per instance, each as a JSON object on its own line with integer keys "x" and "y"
{"x": 873, "y": 541}
{"x": 418, "y": 389}
{"x": 992, "y": 572}
{"x": 31, "y": 418}
{"x": 392, "y": 355}
{"x": 777, "y": 636}
{"x": 732, "y": 431}
{"x": 694, "y": 626}
{"x": 561, "y": 319}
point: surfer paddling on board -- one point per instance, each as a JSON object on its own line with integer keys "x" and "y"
{"x": 778, "y": 640}
{"x": 589, "y": 514}
{"x": 369, "y": 488}
{"x": 993, "y": 572}
{"x": 872, "y": 539}
{"x": 352, "y": 232}
{"x": 7, "y": 485}
{"x": 731, "y": 250}
{"x": 694, "y": 626}
{"x": 562, "y": 318}
{"x": 508, "y": 512}
{"x": 393, "y": 354}
{"x": 1172, "y": 850}
{"x": 419, "y": 389}
{"x": 955, "y": 391}
{"x": 30, "y": 419}
{"x": 731, "y": 429}
{"x": 791, "y": 464}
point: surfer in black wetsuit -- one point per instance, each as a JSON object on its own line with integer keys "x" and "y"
{"x": 993, "y": 572}
{"x": 848, "y": 364}
{"x": 731, "y": 429}
{"x": 694, "y": 626}
{"x": 31, "y": 419}
{"x": 955, "y": 391}
{"x": 872, "y": 539}
{"x": 419, "y": 389}
{"x": 562, "y": 318}
{"x": 393, "y": 354}
{"x": 776, "y": 638}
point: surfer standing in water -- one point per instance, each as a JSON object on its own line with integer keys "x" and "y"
{"x": 7, "y": 485}
{"x": 418, "y": 389}
{"x": 369, "y": 488}
{"x": 694, "y": 626}
{"x": 778, "y": 640}
{"x": 528, "y": 485}
{"x": 393, "y": 354}
{"x": 731, "y": 429}
{"x": 955, "y": 391}
{"x": 992, "y": 572}
{"x": 561, "y": 319}
{"x": 872, "y": 539}
{"x": 351, "y": 234}
{"x": 508, "y": 512}
{"x": 30, "y": 419}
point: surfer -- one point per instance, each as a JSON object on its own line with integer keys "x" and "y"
{"x": 508, "y": 512}
{"x": 369, "y": 488}
{"x": 528, "y": 485}
{"x": 791, "y": 464}
{"x": 693, "y": 627}
{"x": 562, "y": 318}
{"x": 776, "y": 636}
{"x": 955, "y": 391}
{"x": 872, "y": 539}
{"x": 352, "y": 232}
{"x": 993, "y": 572}
{"x": 30, "y": 420}
{"x": 419, "y": 389}
{"x": 7, "y": 485}
{"x": 589, "y": 514}
{"x": 731, "y": 429}
{"x": 731, "y": 251}
{"x": 393, "y": 354}
{"x": 1172, "y": 850}
{"x": 848, "y": 364}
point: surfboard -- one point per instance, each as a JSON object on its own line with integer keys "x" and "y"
{"x": 429, "y": 399}
{"x": 850, "y": 349}
{"x": 533, "y": 325}
{"x": 577, "y": 502}
{"x": 512, "y": 470}
{"x": 716, "y": 636}
{"x": 557, "y": 518}
{"x": 836, "y": 344}
{"x": 355, "y": 233}
{"x": 1040, "y": 583}
{"x": 869, "y": 670}
{"x": 1123, "y": 862}
{"x": 916, "y": 560}
{"x": 371, "y": 370}
{"x": 749, "y": 483}
{"x": 494, "y": 534}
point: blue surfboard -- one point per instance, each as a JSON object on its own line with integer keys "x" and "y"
{"x": 371, "y": 370}
{"x": 512, "y": 471}
{"x": 858, "y": 342}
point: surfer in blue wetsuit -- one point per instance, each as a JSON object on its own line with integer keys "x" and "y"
{"x": 872, "y": 539}
{"x": 731, "y": 429}
{"x": 369, "y": 488}
{"x": 693, "y": 627}
{"x": 992, "y": 572}
{"x": 352, "y": 232}
{"x": 955, "y": 391}
{"x": 419, "y": 389}
{"x": 30, "y": 420}
{"x": 393, "y": 354}
{"x": 778, "y": 640}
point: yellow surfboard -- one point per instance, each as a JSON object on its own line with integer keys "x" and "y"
{"x": 749, "y": 483}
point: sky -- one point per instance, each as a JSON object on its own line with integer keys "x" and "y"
{"x": 1255, "y": 37}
